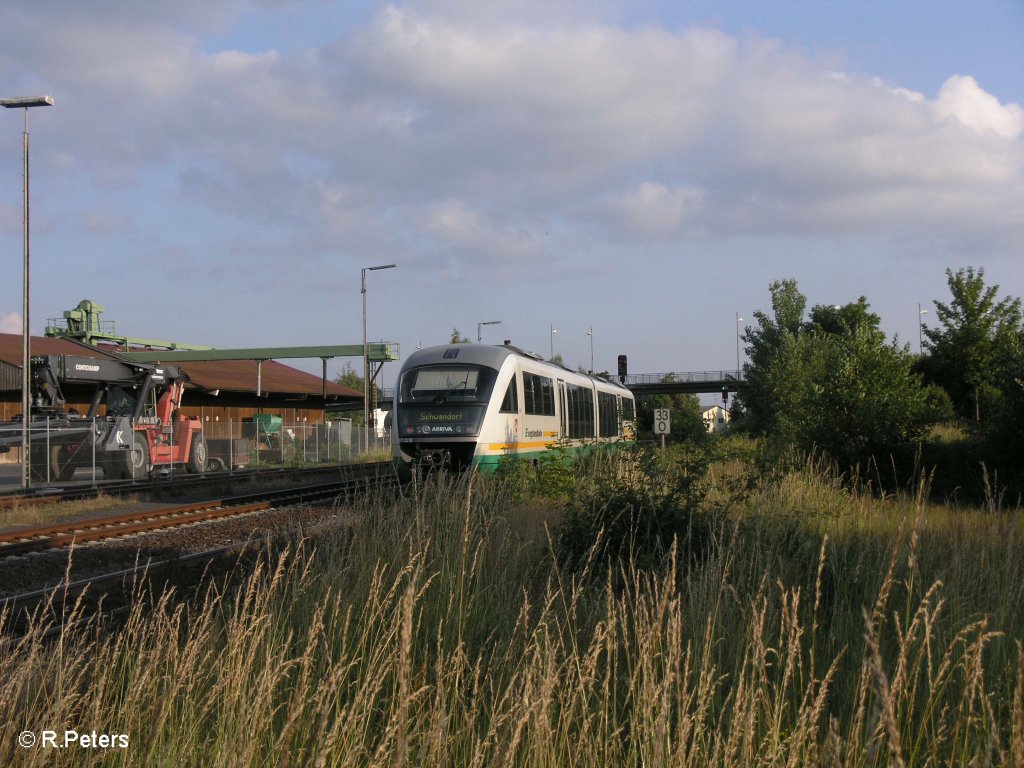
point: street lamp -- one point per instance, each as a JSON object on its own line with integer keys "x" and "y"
{"x": 479, "y": 326}
{"x": 24, "y": 102}
{"x": 738, "y": 321}
{"x": 366, "y": 358}
{"x": 590, "y": 333}
{"x": 920, "y": 325}
{"x": 553, "y": 332}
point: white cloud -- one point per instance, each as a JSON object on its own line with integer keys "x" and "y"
{"x": 963, "y": 99}
{"x": 474, "y": 132}
{"x": 455, "y": 224}
{"x": 653, "y": 211}
{"x": 577, "y": 89}
{"x": 564, "y": 118}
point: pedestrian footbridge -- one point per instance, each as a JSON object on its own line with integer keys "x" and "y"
{"x": 675, "y": 381}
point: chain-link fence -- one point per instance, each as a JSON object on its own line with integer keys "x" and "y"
{"x": 64, "y": 450}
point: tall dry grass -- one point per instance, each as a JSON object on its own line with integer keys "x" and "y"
{"x": 442, "y": 632}
{"x": 39, "y": 514}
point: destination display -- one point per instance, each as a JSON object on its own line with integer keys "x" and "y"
{"x": 447, "y": 421}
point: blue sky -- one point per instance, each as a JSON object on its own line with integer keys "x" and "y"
{"x": 219, "y": 172}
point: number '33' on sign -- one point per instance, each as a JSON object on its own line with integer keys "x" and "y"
{"x": 662, "y": 421}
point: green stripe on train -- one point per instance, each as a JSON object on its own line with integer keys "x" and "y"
{"x": 491, "y": 462}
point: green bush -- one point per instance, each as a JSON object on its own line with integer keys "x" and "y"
{"x": 552, "y": 475}
{"x": 633, "y": 506}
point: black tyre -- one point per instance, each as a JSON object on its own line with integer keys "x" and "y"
{"x": 197, "y": 456}
{"x": 63, "y": 465}
{"x": 137, "y": 459}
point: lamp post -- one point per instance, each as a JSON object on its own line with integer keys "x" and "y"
{"x": 553, "y": 332}
{"x": 479, "y": 327}
{"x": 590, "y": 333}
{"x": 24, "y": 102}
{"x": 738, "y": 321}
{"x": 920, "y": 328}
{"x": 366, "y": 358}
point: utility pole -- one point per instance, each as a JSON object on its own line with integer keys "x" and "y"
{"x": 366, "y": 358}
{"x": 26, "y": 404}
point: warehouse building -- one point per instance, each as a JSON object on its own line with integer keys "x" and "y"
{"x": 218, "y": 391}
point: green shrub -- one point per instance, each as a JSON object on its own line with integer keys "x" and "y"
{"x": 634, "y": 506}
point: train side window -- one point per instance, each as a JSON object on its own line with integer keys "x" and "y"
{"x": 538, "y": 394}
{"x": 547, "y": 391}
{"x": 529, "y": 395}
{"x": 608, "y": 415}
{"x": 511, "y": 402}
{"x": 580, "y": 404}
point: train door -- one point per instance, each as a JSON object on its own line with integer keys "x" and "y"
{"x": 563, "y": 424}
{"x": 595, "y": 411}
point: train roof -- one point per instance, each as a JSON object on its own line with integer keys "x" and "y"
{"x": 492, "y": 356}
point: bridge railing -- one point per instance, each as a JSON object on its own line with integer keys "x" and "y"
{"x": 684, "y": 377}
{"x": 680, "y": 377}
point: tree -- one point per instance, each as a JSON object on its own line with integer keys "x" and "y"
{"x": 846, "y": 320}
{"x": 1005, "y": 434}
{"x": 458, "y": 338}
{"x": 348, "y": 377}
{"x": 764, "y": 342}
{"x": 851, "y": 395}
{"x": 831, "y": 382}
{"x": 970, "y": 350}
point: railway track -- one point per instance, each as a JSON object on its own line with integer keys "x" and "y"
{"x": 112, "y": 592}
{"x": 179, "y": 484}
{"x": 38, "y": 538}
{"x": 78, "y": 600}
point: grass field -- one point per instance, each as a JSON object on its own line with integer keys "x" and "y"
{"x": 800, "y": 622}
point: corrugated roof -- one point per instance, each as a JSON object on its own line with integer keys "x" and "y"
{"x": 228, "y": 375}
{"x": 10, "y": 348}
{"x": 240, "y": 376}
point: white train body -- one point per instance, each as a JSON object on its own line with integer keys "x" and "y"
{"x": 462, "y": 405}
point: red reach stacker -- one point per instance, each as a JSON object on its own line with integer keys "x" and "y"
{"x": 131, "y": 429}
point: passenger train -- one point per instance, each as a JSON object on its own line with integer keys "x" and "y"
{"x": 470, "y": 405}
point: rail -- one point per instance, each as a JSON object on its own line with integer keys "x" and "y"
{"x": 45, "y": 612}
{"x": 24, "y": 540}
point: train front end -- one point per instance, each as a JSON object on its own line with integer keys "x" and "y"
{"x": 440, "y": 403}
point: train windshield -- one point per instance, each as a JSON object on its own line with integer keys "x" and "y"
{"x": 447, "y": 384}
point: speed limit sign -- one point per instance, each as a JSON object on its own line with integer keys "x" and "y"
{"x": 662, "y": 422}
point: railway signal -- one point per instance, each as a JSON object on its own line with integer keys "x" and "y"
{"x": 662, "y": 423}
